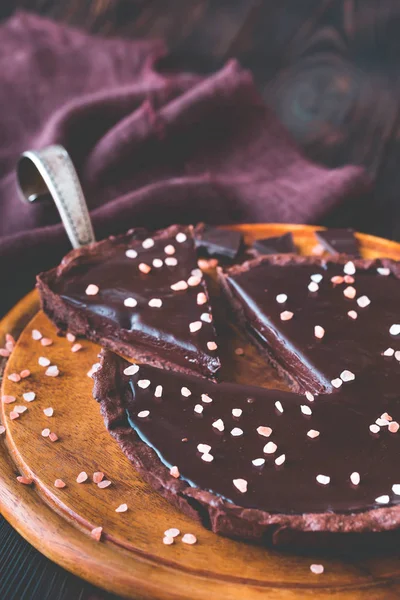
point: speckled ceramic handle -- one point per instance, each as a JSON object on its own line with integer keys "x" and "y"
{"x": 50, "y": 171}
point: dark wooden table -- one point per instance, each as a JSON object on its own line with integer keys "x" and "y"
{"x": 330, "y": 70}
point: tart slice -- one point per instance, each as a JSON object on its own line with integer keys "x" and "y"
{"x": 318, "y": 319}
{"x": 141, "y": 295}
{"x": 251, "y": 462}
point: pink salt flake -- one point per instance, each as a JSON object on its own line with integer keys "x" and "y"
{"x": 10, "y": 339}
{"x": 286, "y": 315}
{"x": 374, "y": 428}
{"x": 76, "y": 347}
{"x": 14, "y": 415}
{"x": 25, "y": 373}
{"x": 212, "y": 346}
{"x": 350, "y": 292}
{"x": 237, "y": 412}
{"x": 280, "y": 460}
{"x": 195, "y": 326}
{"x": 349, "y": 279}
{"x": 179, "y": 286}
{"x": 265, "y": 431}
{"x": 96, "y": 533}
{"x": 219, "y": 424}
{"x": 53, "y": 437}
{"x": 313, "y": 287}
{"x": 43, "y": 361}
{"x": 181, "y": 237}
{"x": 46, "y": 432}
{"x": 193, "y": 281}
{"x": 121, "y": 508}
{"x": 171, "y": 261}
{"x": 20, "y": 409}
{"x": 49, "y": 411}
{"x": 189, "y": 538}
{"x": 98, "y": 476}
{"x": 167, "y": 540}
{"x": 349, "y": 268}
{"x": 82, "y": 477}
{"x": 71, "y": 337}
{"x": 155, "y": 303}
{"x": 207, "y": 457}
{"x": 29, "y": 396}
{"x": 8, "y": 399}
{"x": 355, "y": 478}
{"x": 323, "y": 479}
{"x": 363, "y": 301}
{"x": 241, "y": 485}
{"x": 24, "y": 480}
{"x": 174, "y": 471}
{"x": 143, "y": 268}
{"x": 201, "y": 298}
{"x": 173, "y": 532}
{"x": 46, "y": 342}
{"x": 131, "y": 370}
{"x": 393, "y": 427}
{"x": 239, "y": 351}
{"x": 104, "y": 484}
{"x": 337, "y": 280}
{"x": 52, "y": 371}
{"x": 148, "y": 243}
{"x": 92, "y": 290}
{"x": 36, "y": 335}
{"x": 2, "y": 429}
{"x": 313, "y": 433}
{"x": 4, "y": 352}
{"x": 59, "y": 483}
{"x": 169, "y": 250}
{"x": 319, "y": 332}
{"x": 352, "y": 314}
{"x": 130, "y": 302}
{"x": 14, "y": 377}
{"x": 317, "y": 569}
{"x": 270, "y": 448}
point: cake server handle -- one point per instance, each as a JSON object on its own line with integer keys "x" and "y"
{"x": 50, "y": 171}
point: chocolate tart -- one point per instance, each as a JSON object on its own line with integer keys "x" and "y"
{"x": 255, "y": 463}
{"x": 140, "y": 294}
{"x": 314, "y": 318}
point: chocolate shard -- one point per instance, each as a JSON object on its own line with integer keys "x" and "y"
{"x": 282, "y": 244}
{"x": 214, "y": 242}
{"x": 141, "y": 294}
{"x": 339, "y": 241}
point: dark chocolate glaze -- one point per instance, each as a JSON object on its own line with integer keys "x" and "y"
{"x": 345, "y": 444}
{"x": 353, "y": 344}
{"x": 339, "y": 241}
{"x": 283, "y": 244}
{"x": 214, "y": 242}
{"x": 164, "y": 330}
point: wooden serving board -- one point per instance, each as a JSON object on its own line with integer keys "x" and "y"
{"x": 131, "y": 559}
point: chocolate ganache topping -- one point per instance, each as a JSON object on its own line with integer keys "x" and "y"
{"x": 332, "y": 446}
{"x": 140, "y": 294}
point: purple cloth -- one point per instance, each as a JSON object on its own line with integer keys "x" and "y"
{"x": 150, "y": 149}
